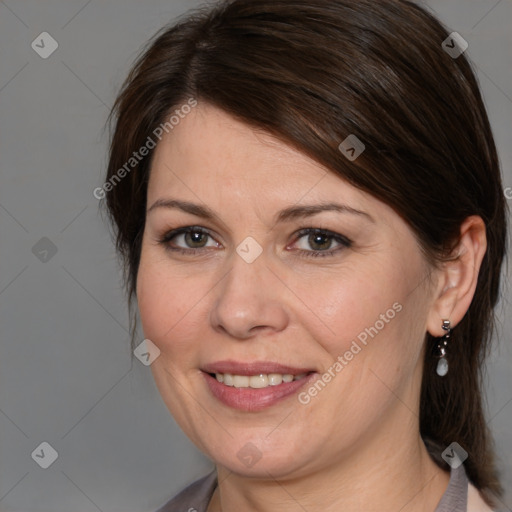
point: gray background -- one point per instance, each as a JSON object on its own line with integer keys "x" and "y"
{"x": 66, "y": 376}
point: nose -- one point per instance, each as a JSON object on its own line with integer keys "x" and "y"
{"x": 249, "y": 300}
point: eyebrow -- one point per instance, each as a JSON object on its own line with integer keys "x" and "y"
{"x": 290, "y": 213}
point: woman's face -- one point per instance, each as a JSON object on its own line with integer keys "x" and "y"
{"x": 253, "y": 294}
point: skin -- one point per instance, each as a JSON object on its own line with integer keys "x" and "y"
{"x": 356, "y": 445}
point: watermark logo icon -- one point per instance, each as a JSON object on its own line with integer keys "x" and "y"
{"x": 351, "y": 147}
{"x": 44, "y": 45}
{"x": 454, "y": 45}
{"x": 146, "y": 352}
{"x": 249, "y": 454}
{"x": 249, "y": 249}
{"x": 454, "y": 455}
{"x": 45, "y": 455}
{"x": 44, "y": 249}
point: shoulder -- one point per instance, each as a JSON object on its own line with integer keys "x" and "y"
{"x": 475, "y": 501}
{"x": 193, "y": 498}
{"x": 461, "y": 495}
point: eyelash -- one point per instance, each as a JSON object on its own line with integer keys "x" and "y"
{"x": 344, "y": 241}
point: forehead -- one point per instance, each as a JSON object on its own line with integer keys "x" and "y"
{"x": 215, "y": 158}
{"x": 209, "y": 139}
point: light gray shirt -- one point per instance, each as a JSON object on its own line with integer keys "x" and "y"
{"x": 195, "y": 497}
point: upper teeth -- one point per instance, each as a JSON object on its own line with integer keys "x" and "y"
{"x": 256, "y": 381}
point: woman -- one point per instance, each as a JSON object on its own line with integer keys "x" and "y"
{"x": 308, "y": 203}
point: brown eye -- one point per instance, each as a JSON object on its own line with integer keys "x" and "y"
{"x": 320, "y": 240}
{"x": 195, "y": 237}
{"x": 187, "y": 239}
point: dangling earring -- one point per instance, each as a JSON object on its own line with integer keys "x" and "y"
{"x": 442, "y": 365}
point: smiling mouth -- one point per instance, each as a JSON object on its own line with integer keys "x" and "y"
{"x": 258, "y": 381}
{"x": 255, "y": 392}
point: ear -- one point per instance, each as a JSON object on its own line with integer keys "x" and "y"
{"x": 458, "y": 278}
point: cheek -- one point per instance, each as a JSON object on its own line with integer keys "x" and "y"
{"x": 353, "y": 306}
{"x": 157, "y": 300}
{"x": 149, "y": 300}
{"x": 168, "y": 302}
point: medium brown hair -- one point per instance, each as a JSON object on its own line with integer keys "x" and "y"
{"x": 312, "y": 72}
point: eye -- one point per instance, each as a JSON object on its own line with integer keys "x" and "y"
{"x": 194, "y": 238}
{"x": 321, "y": 241}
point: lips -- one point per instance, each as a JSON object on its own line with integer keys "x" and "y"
{"x": 253, "y": 368}
{"x": 252, "y": 399}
